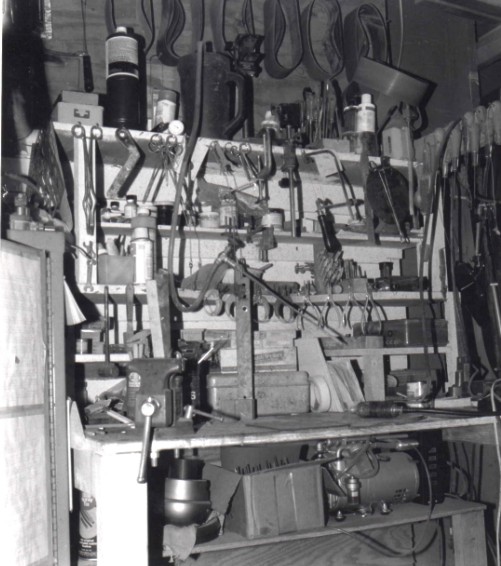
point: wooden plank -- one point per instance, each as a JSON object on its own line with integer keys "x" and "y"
{"x": 476, "y": 434}
{"x": 469, "y": 539}
{"x": 402, "y": 514}
{"x": 159, "y": 313}
{"x": 489, "y": 46}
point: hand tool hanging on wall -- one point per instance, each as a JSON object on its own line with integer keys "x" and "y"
{"x": 172, "y": 24}
{"x": 329, "y": 11}
{"x": 280, "y": 16}
{"x": 89, "y": 196}
{"x": 109, "y": 369}
{"x": 84, "y": 54}
{"x": 388, "y": 194}
{"x": 289, "y": 166}
{"x": 129, "y": 168}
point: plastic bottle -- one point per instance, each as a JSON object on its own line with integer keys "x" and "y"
{"x": 130, "y": 208}
{"x": 166, "y": 107}
{"x": 366, "y": 115}
{"x": 122, "y": 80}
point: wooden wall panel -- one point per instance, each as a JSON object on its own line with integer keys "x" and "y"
{"x": 68, "y": 37}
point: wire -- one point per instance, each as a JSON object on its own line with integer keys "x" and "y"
{"x": 190, "y": 147}
{"x": 498, "y": 454}
{"x": 150, "y": 22}
{"x": 83, "y": 7}
{"x": 401, "y": 44}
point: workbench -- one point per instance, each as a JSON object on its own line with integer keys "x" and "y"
{"x": 106, "y": 465}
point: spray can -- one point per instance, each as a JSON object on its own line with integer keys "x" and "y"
{"x": 122, "y": 80}
{"x": 87, "y": 530}
{"x": 366, "y": 115}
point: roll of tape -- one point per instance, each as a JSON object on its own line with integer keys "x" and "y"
{"x": 320, "y": 395}
{"x": 284, "y": 313}
{"x": 230, "y": 304}
{"x": 263, "y": 308}
{"x": 213, "y": 304}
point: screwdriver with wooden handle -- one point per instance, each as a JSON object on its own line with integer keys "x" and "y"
{"x": 393, "y": 409}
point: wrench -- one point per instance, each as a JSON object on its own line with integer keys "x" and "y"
{"x": 91, "y": 261}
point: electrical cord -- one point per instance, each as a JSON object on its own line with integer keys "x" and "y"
{"x": 190, "y": 147}
{"x": 498, "y": 454}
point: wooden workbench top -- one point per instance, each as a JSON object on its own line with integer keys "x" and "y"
{"x": 291, "y": 428}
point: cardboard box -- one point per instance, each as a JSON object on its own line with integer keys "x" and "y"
{"x": 277, "y": 501}
{"x": 277, "y": 392}
{"x": 74, "y": 113}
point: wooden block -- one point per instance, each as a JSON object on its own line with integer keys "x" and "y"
{"x": 264, "y": 358}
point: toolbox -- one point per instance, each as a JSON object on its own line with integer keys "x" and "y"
{"x": 276, "y": 392}
{"x": 278, "y": 500}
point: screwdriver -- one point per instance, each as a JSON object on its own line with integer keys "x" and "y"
{"x": 393, "y": 409}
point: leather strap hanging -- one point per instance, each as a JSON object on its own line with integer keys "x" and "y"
{"x": 365, "y": 35}
{"x": 279, "y": 16}
{"x": 332, "y": 41}
{"x": 173, "y": 20}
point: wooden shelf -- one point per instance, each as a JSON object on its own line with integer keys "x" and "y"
{"x": 346, "y": 236}
{"x": 402, "y": 514}
{"x": 89, "y": 358}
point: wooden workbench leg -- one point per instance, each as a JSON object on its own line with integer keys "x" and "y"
{"x": 468, "y": 532}
{"x": 122, "y": 506}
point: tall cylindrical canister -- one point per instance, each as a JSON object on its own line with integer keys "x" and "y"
{"x": 142, "y": 249}
{"x": 87, "y": 530}
{"x": 145, "y": 219}
{"x": 366, "y": 115}
{"x": 122, "y": 80}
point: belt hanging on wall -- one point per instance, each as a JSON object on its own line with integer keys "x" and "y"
{"x": 280, "y": 16}
{"x": 332, "y": 42}
{"x": 365, "y": 35}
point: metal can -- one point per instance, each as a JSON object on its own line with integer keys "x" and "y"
{"x": 228, "y": 214}
{"x": 141, "y": 248}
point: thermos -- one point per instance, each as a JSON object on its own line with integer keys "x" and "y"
{"x": 122, "y": 80}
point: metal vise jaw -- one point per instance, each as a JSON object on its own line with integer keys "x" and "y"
{"x": 161, "y": 381}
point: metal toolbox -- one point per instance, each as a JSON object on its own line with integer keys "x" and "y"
{"x": 277, "y": 392}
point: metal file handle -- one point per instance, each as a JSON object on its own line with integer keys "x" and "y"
{"x": 148, "y": 409}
